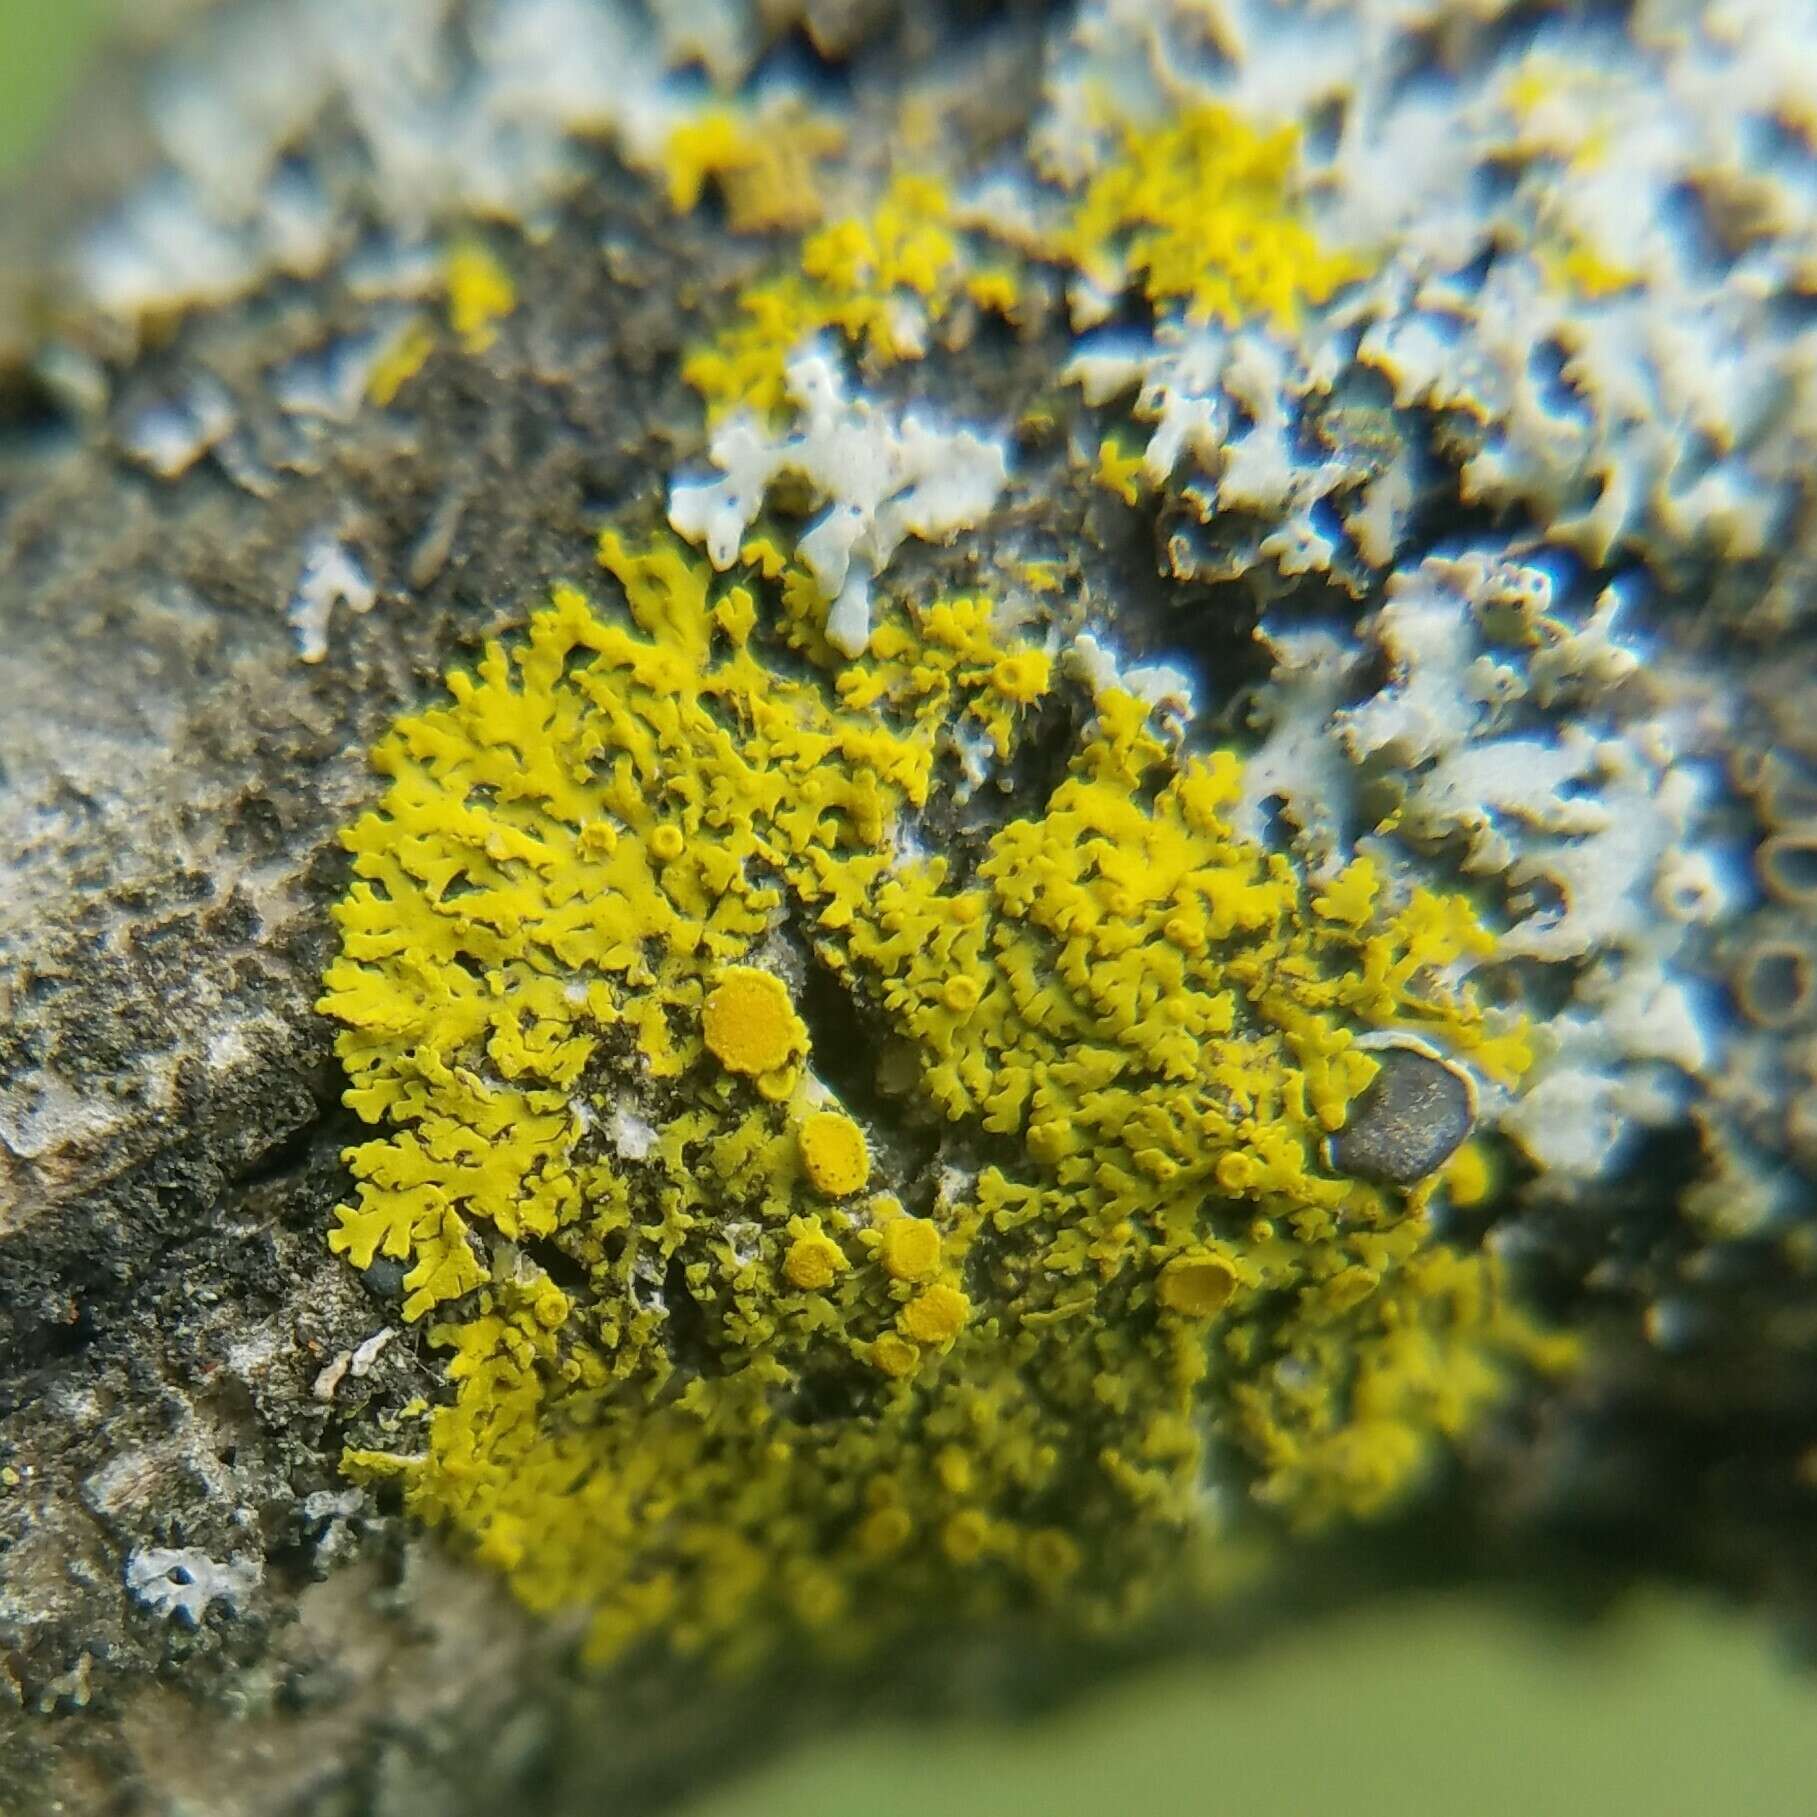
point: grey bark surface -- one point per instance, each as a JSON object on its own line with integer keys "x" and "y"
{"x": 181, "y": 1359}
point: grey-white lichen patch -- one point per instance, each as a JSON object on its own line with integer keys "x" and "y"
{"x": 169, "y": 437}
{"x": 328, "y": 1517}
{"x": 880, "y": 476}
{"x": 451, "y": 110}
{"x": 1488, "y": 723}
{"x": 332, "y": 575}
{"x": 184, "y": 1583}
{"x": 1584, "y": 236}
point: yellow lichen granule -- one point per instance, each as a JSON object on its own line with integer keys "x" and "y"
{"x": 893, "y": 1355}
{"x": 910, "y": 1249}
{"x": 833, "y": 1153}
{"x": 700, "y": 1381}
{"x": 813, "y": 1261}
{"x": 936, "y": 1316}
{"x": 748, "y": 1021}
{"x": 480, "y": 294}
{"x": 1196, "y": 1285}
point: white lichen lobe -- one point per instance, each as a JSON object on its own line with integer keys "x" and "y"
{"x": 183, "y": 1583}
{"x": 881, "y": 476}
{"x": 332, "y": 575}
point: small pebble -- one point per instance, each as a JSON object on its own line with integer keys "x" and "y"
{"x": 1407, "y": 1121}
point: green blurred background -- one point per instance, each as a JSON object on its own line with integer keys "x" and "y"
{"x": 1445, "y": 1707}
{"x": 42, "y": 45}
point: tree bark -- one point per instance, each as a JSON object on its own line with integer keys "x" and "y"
{"x": 181, "y": 1358}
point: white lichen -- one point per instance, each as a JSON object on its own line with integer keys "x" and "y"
{"x": 332, "y": 575}
{"x": 1589, "y": 242}
{"x": 456, "y": 110}
{"x": 881, "y": 477}
{"x": 169, "y": 438}
{"x": 183, "y": 1583}
{"x": 1527, "y": 746}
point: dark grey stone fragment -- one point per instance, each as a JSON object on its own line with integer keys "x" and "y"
{"x": 1408, "y": 1121}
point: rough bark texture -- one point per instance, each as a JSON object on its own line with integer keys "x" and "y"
{"x": 180, "y": 1356}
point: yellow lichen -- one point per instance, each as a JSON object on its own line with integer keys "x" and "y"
{"x": 894, "y": 1356}
{"x": 965, "y": 1536}
{"x": 942, "y": 663}
{"x": 1469, "y": 1175}
{"x": 749, "y": 1024}
{"x": 910, "y": 1249}
{"x": 1051, "y": 1558}
{"x": 813, "y": 1261}
{"x": 765, "y": 165}
{"x": 480, "y": 294}
{"x": 1118, "y": 471}
{"x": 1579, "y": 270}
{"x": 1200, "y": 210}
{"x": 885, "y": 1532}
{"x": 1196, "y": 1285}
{"x": 877, "y": 280}
{"x": 833, "y": 1154}
{"x": 936, "y": 1316}
{"x": 402, "y": 359}
{"x": 752, "y": 1399}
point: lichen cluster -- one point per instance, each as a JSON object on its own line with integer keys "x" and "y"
{"x": 1213, "y": 798}
{"x": 1031, "y": 1278}
{"x": 763, "y": 167}
{"x": 1200, "y": 212}
{"x": 724, "y": 1358}
{"x": 879, "y": 280}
